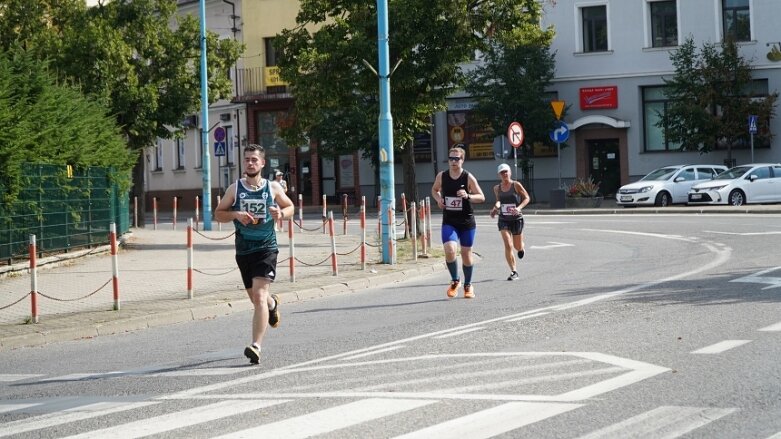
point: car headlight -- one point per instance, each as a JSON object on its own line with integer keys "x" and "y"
{"x": 645, "y": 189}
{"x": 717, "y": 188}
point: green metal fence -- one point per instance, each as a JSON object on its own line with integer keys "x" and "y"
{"x": 66, "y": 209}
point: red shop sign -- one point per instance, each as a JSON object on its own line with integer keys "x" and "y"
{"x": 598, "y": 97}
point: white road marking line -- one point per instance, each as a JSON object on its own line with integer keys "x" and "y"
{"x": 378, "y": 351}
{"x": 5, "y": 408}
{"x": 665, "y": 422}
{"x": 742, "y": 234}
{"x": 759, "y": 278}
{"x": 553, "y": 245}
{"x": 83, "y": 376}
{"x": 532, "y": 380}
{"x": 9, "y": 377}
{"x": 69, "y": 415}
{"x": 721, "y": 346}
{"x": 200, "y": 372}
{"x": 775, "y": 436}
{"x": 529, "y": 316}
{"x": 469, "y": 375}
{"x": 492, "y": 422}
{"x": 331, "y": 419}
{"x": 772, "y": 328}
{"x": 180, "y": 419}
{"x": 461, "y": 332}
{"x": 436, "y": 368}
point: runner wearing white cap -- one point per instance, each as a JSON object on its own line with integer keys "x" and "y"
{"x": 511, "y": 197}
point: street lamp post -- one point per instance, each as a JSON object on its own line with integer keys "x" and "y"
{"x": 206, "y": 157}
{"x": 387, "y": 183}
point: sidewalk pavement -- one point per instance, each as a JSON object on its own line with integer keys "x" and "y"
{"x": 153, "y": 283}
{"x": 152, "y": 276}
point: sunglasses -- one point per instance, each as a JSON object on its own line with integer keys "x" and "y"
{"x": 454, "y": 159}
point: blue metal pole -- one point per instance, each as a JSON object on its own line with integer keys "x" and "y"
{"x": 387, "y": 184}
{"x": 207, "y": 182}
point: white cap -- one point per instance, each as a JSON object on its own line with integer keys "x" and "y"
{"x": 503, "y": 167}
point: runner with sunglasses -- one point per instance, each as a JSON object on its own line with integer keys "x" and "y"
{"x": 455, "y": 191}
{"x": 511, "y": 197}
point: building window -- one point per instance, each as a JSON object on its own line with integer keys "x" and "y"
{"x": 179, "y": 153}
{"x": 736, "y": 19}
{"x": 594, "y": 28}
{"x": 654, "y": 107}
{"x": 198, "y": 150}
{"x": 664, "y": 24}
{"x": 229, "y": 159}
{"x": 268, "y": 123}
{"x": 158, "y": 156}
{"x": 271, "y": 53}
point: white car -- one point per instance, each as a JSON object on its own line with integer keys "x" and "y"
{"x": 753, "y": 183}
{"x": 665, "y": 186}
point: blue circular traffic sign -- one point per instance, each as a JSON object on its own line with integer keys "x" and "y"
{"x": 560, "y": 133}
{"x": 219, "y": 134}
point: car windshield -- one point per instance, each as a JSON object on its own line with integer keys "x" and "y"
{"x": 733, "y": 173}
{"x": 660, "y": 174}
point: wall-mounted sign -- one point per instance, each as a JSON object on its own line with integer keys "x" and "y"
{"x": 271, "y": 77}
{"x": 593, "y": 98}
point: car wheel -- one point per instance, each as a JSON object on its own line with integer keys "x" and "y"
{"x": 663, "y": 199}
{"x": 736, "y": 198}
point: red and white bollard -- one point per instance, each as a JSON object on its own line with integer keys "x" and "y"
{"x": 334, "y": 266}
{"x": 33, "y": 280}
{"x": 404, "y": 211}
{"x": 154, "y": 212}
{"x": 344, "y": 213}
{"x": 190, "y": 258}
{"x": 292, "y": 247}
{"x": 301, "y": 211}
{"x": 391, "y": 234}
{"x": 414, "y": 232}
{"x": 325, "y": 215}
{"x": 428, "y": 222}
{"x": 174, "y": 219}
{"x": 197, "y": 211}
{"x": 363, "y": 233}
{"x": 114, "y": 264}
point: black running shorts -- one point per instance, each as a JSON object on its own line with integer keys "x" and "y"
{"x": 257, "y": 264}
{"x": 514, "y": 226}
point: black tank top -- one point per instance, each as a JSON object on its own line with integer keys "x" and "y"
{"x": 458, "y": 211}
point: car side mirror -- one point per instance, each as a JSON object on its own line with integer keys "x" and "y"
{"x": 679, "y": 179}
{"x": 753, "y": 177}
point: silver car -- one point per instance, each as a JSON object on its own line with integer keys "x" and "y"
{"x": 752, "y": 183}
{"x": 667, "y": 185}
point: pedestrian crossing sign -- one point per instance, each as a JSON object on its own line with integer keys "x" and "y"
{"x": 219, "y": 149}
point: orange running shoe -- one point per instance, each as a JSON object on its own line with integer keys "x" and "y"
{"x": 452, "y": 290}
{"x": 469, "y": 292}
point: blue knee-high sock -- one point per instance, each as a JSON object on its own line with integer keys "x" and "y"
{"x": 467, "y": 274}
{"x": 453, "y": 269}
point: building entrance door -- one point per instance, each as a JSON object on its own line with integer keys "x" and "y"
{"x": 604, "y": 165}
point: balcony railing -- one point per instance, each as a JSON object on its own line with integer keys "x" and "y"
{"x": 258, "y": 81}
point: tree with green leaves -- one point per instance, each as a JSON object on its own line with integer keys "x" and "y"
{"x": 42, "y": 122}
{"x": 337, "y": 97}
{"x": 128, "y": 55}
{"x": 512, "y": 80}
{"x": 711, "y": 97}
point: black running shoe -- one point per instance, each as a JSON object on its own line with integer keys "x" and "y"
{"x": 253, "y": 353}
{"x": 520, "y": 254}
{"x": 513, "y": 276}
{"x": 273, "y": 315}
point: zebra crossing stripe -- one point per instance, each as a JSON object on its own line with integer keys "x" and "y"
{"x": 493, "y": 421}
{"x": 71, "y": 415}
{"x": 180, "y": 419}
{"x": 664, "y": 422}
{"x": 331, "y": 419}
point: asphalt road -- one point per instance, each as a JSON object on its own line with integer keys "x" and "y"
{"x": 652, "y": 326}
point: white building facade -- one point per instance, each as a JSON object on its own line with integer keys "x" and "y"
{"x": 611, "y": 58}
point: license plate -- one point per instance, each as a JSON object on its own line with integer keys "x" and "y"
{"x": 626, "y": 198}
{"x": 695, "y": 196}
